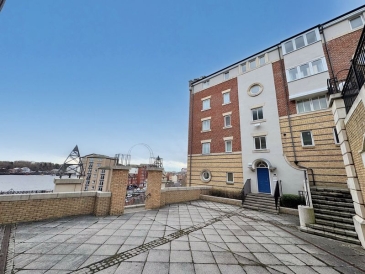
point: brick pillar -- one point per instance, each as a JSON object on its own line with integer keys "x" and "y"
{"x": 118, "y": 188}
{"x": 102, "y": 203}
{"x": 153, "y": 192}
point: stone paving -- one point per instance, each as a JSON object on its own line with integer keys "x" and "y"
{"x": 197, "y": 237}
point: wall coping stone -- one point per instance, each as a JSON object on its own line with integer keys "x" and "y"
{"x": 103, "y": 194}
{"x": 121, "y": 167}
{"x": 167, "y": 189}
{"x": 67, "y": 181}
{"x": 56, "y": 195}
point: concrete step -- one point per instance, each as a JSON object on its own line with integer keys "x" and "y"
{"x": 319, "y": 198}
{"x": 260, "y": 196}
{"x": 259, "y": 204}
{"x": 335, "y": 224}
{"x": 261, "y": 201}
{"x": 334, "y": 218}
{"x": 333, "y": 213}
{"x": 330, "y": 235}
{"x": 332, "y": 194}
{"x": 335, "y": 208}
{"x": 332, "y": 203}
{"x": 324, "y": 190}
{"x": 259, "y": 208}
{"x": 334, "y": 230}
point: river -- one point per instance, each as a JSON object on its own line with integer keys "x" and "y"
{"x": 26, "y": 182}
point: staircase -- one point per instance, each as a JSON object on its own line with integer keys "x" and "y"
{"x": 260, "y": 202}
{"x": 333, "y": 210}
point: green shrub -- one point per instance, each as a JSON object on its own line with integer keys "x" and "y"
{"x": 226, "y": 193}
{"x": 290, "y": 200}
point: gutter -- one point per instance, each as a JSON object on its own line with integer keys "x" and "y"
{"x": 191, "y": 97}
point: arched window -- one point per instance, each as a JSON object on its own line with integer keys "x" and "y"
{"x": 261, "y": 164}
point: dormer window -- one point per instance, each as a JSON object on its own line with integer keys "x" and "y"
{"x": 356, "y": 22}
{"x": 301, "y": 41}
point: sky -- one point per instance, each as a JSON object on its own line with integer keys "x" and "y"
{"x": 107, "y": 75}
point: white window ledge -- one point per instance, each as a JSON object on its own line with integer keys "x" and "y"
{"x": 261, "y": 150}
{"x": 258, "y": 121}
{"x": 227, "y": 127}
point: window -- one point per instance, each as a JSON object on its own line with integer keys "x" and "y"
{"x": 226, "y": 75}
{"x": 103, "y": 171}
{"x": 312, "y": 104}
{"x": 206, "y": 104}
{"x": 87, "y": 182}
{"x": 226, "y": 98}
{"x": 243, "y": 67}
{"x": 301, "y": 41}
{"x": 94, "y": 181}
{"x": 205, "y": 176}
{"x": 260, "y": 142}
{"x": 230, "y": 177}
{"x": 255, "y": 90}
{"x": 228, "y": 145}
{"x": 100, "y": 188}
{"x": 94, "y": 175}
{"x": 227, "y": 120}
{"x": 86, "y": 188}
{"x": 308, "y": 69}
{"x": 98, "y": 165}
{"x": 252, "y": 64}
{"x": 102, "y": 177}
{"x": 205, "y": 148}
{"x": 262, "y": 60}
{"x": 206, "y": 125}
{"x": 257, "y": 114}
{"x": 356, "y": 22}
{"x": 206, "y": 84}
{"x": 335, "y": 136}
{"x": 90, "y": 165}
{"x": 307, "y": 139}
{"x": 91, "y": 160}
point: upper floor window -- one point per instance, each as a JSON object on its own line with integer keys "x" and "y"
{"x": 205, "y": 148}
{"x": 307, "y": 139}
{"x": 206, "y": 104}
{"x": 227, "y": 120}
{"x": 307, "y": 69}
{"x": 243, "y": 67}
{"x": 356, "y": 22}
{"x": 252, "y": 64}
{"x": 206, "y": 84}
{"x": 262, "y": 60}
{"x": 226, "y": 98}
{"x": 228, "y": 145}
{"x": 312, "y": 104}
{"x": 206, "y": 125}
{"x": 260, "y": 142}
{"x": 102, "y": 171}
{"x": 226, "y": 75}
{"x": 257, "y": 114}
{"x": 301, "y": 41}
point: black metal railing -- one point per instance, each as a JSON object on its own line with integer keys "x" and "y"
{"x": 246, "y": 189}
{"x": 356, "y": 76}
{"x": 304, "y": 198}
{"x": 12, "y": 191}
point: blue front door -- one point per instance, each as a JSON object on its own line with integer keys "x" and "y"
{"x": 263, "y": 180}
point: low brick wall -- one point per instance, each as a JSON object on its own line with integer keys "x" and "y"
{"x": 35, "y": 207}
{"x": 172, "y": 195}
{"x": 221, "y": 200}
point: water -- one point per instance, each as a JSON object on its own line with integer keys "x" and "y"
{"x": 26, "y": 182}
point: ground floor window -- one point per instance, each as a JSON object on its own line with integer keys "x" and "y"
{"x": 307, "y": 138}
{"x": 230, "y": 177}
{"x": 205, "y": 176}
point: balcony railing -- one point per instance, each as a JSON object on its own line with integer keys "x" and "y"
{"x": 355, "y": 79}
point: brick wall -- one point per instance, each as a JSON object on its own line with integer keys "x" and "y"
{"x": 153, "y": 191}
{"x": 182, "y": 194}
{"x": 355, "y": 129}
{"x": 218, "y": 165}
{"x": 102, "y": 205}
{"x": 216, "y": 123}
{"x": 281, "y": 88}
{"x": 341, "y": 50}
{"x": 325, "y": 158}
{"x": 118, "y": 188}
{"x": 35, "y": 207}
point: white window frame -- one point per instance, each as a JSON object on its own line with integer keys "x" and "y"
{"x": 205, "y": 146}
{"x": 206, "y": 124}
{"x": 256, "y": 110}
{"x": 311, "y": 104}
{"x": 205, "y": 84}
{"x": 311, "y": 71}
{"x": 225, "y": 145}
{"x": 355, "y": 17}
{"x": 301, "y": 138}
{"x": 207, "y": 107}
{"x": 305, "y": 41}
{"x": 260, "y": 58}
{"x": 253, "y": 61}
{"x": 243, "y": 65}
{"x": 227, "y": 180}
{"x": 224, "y": 94}
{"x": 336, "y": 138}
{"x": 226, "y": 76}
{"x": 225, "y": 121}
{"x": 254, "y": 142}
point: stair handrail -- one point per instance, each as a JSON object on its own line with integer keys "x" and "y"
{"x": 308, "y": 195}
{"x": 246, "y": 189}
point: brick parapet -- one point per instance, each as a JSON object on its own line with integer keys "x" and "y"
{"x": 153, "y": 191}
{"x": 182, "y": 194}
{"x": 118, "y": 188}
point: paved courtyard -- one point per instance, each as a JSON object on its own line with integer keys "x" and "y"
{"x": 196, "y": 237}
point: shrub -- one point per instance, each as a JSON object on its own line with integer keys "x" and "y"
{"x": 290, "y": 200}
{"x": 226, "y": 193}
